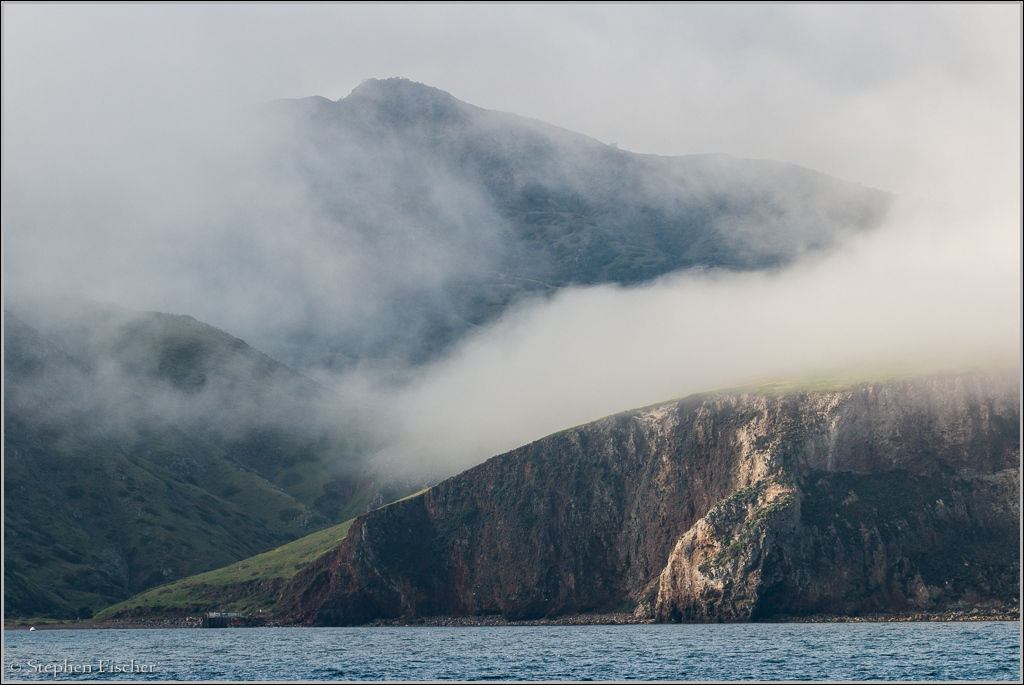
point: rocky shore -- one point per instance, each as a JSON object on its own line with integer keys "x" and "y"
{"x": 125, "y": 624}
{"x": 1011, "y": 614}
{"x": 495, "y": 620}
{"x": 111, "y": 624}
{"x": 631, "y": 619}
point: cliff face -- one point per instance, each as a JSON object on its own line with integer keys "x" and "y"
{"x": 716, "y": 507}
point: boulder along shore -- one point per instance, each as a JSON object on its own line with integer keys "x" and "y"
{"x": 1012, "y": 614}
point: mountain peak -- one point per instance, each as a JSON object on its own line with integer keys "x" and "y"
{"x": 395, "y": 86}
{"x": 399, "y": 100}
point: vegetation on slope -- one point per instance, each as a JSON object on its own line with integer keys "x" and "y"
{"x": 248, "y": 586}
{"x": 143, "y": 448}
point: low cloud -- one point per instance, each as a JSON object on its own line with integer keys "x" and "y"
{"x": 132, "y": 174}
{"x": 919, "y": 296}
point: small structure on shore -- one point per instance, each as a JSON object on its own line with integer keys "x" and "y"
{"x": 223, "y": 619}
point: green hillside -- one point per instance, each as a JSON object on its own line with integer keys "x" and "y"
{"x": 141, "y": 448}
{"x": 247, "y": 586}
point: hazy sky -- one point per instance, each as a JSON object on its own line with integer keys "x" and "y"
{"x": 858, "y": 91}
{"x": 115, "y": 116}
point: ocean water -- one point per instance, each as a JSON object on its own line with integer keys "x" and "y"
{"x": 815, "y": 651}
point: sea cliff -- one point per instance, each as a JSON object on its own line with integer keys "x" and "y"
{"x": 877, "y": 498}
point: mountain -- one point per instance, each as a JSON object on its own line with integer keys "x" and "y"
{"x": 144, "y": 447}
{"x": 439, "y": 215}
{"x": 880, "y": 497}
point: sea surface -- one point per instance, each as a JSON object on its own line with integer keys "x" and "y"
{"x": 804, "y": 651}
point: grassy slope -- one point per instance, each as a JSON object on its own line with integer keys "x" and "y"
{"x": 239, "y": 587}
{"x": 246, "y": 586}
{"x": 95, "y": 515}
{"x": 87, "y": 534}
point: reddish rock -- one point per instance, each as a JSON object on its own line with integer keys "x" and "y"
{"x": 719, "y": 507}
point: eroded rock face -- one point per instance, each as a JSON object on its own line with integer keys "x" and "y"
{"x": 721, "y": 507}
{"x": 714, "y": 572}
{"x": 847, "y": 544}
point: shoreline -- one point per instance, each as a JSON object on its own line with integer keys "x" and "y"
{"x": 631, "y": 619}
{"x": 973, "y": 615}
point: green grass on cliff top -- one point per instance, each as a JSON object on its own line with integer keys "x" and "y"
{"x": 840, "y": 381}
{"x": 828, "y": 382}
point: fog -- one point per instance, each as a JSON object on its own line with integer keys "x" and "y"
{"x": 138, "y": 169}
{"x": 920, "y": 298}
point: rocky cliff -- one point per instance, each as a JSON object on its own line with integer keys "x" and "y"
{"x": 719, "y": 507}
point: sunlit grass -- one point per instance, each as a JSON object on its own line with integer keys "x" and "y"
{"x": 217, "y": 589}
{"x": 241, "y": 586}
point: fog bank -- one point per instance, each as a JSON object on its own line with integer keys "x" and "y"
{"x": 921, "y": 296}
{"x": 137, "y": 170}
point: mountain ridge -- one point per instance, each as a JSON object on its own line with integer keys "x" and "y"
{"x": 527, "y": 207}
{"x": 144, "y": 447}
{"x": 407, "y": 219}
